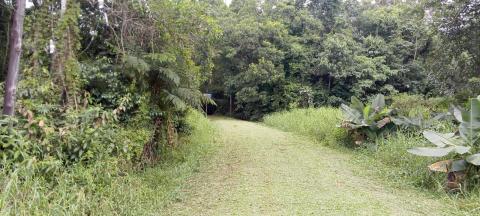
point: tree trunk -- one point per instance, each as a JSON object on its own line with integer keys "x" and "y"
{"x": 150, "y": 149}
{"x": 14, "y": 54}
{"x": 171, "y": 133}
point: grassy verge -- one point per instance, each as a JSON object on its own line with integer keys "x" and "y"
{"x": 106, "y": 188}
{"x": 387, "y": 159}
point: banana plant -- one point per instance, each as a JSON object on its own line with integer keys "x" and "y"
{"x": 461, "y": 144}
{"x": 364, "y": 121}
{"x": 419, "y": 122}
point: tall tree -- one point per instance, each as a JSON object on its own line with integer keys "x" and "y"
{"x": 15, "y": 52}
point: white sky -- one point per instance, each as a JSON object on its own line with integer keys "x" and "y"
{"x": 228, "y": 2}
{"x": 29, "y": 4}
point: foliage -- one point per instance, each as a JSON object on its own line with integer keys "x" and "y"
{"x": 455, "y": 57}
{"x": 462, "y": 144}
{"x": 94, "y": 83}
{"x": 338, "y": 49}
{"x": 261, "y": 89}
{"x": 415, "y": 105}
{"x": 418, "y": 122}
{"x": 108, "y": 186}
{"x": 112, "y": 82}
{"x": 366, "y": 121}
{"x": 417, "y": 112}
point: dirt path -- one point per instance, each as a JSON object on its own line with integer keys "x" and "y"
{"x": 262, "y": 171}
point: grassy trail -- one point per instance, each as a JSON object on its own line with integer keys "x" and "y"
{"x": 262, "y": 171}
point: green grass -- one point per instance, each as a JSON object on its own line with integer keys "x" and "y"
{"x": 106, "y": 187}
{"x": 259, "y": 170}
{"x": 319, "y": 124}
{"x": 386, "y": 159}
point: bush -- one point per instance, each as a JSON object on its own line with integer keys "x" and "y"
{"x": 47, "y": 187}
{"x": 413, "y": 105}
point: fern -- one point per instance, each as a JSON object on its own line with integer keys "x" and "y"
{"x": 162, "y": 58}
{"x": 169, "y": 76}
{"x": 135, "y": 63}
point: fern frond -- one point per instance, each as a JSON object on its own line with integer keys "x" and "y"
{"x": 169, "y": 76}
{"x": 174, "y": 100}
{"x": 161, "y": 58}
{"x": 135, "y": 63}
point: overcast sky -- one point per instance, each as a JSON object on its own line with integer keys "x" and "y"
{"x": 228, "y": 2}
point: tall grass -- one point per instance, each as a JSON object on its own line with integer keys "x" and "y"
{"x": 105, "y": 188}
{"x": 320, "y": 124}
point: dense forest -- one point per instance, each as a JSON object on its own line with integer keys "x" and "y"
{"x": 96, "y": 89}
{"x": 277, "y": 55}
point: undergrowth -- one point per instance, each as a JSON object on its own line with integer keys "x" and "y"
{"x": 106, "y": 187}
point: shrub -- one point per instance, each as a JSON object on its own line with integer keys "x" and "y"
{"x": 48, "y": 187}
{"x": 366, "y": 121}
{"x": 463, "y": 148}
{"x": 414, "y": 105}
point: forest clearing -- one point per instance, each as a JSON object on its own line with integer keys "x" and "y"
{"x": 240, "y": 107}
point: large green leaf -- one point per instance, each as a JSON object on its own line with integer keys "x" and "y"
{"x": 438, "y": 152}
{"x": 378, "y": 103}
{"x": 457, "y": 113}
{"x": 406, "y": 122}
{"x": 356, "y": 104}
{"x": 470, "y": 122}
{"x": 367, "y": 111}
{"x": 438, "y": 139}
{"x": 431, "y": 151}
{"x": 377, "y": 115}
{"x": 474, "y": 159}
{"x": 351, "y": 115}
{"x": 462, "y": 149}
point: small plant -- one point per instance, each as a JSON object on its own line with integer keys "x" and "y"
{"x": 461, "y": 144}
{"x": 365, "y": 121}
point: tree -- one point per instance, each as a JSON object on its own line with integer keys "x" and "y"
{"x": 454, "y": 61}
{"x": 15, "y": 52}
